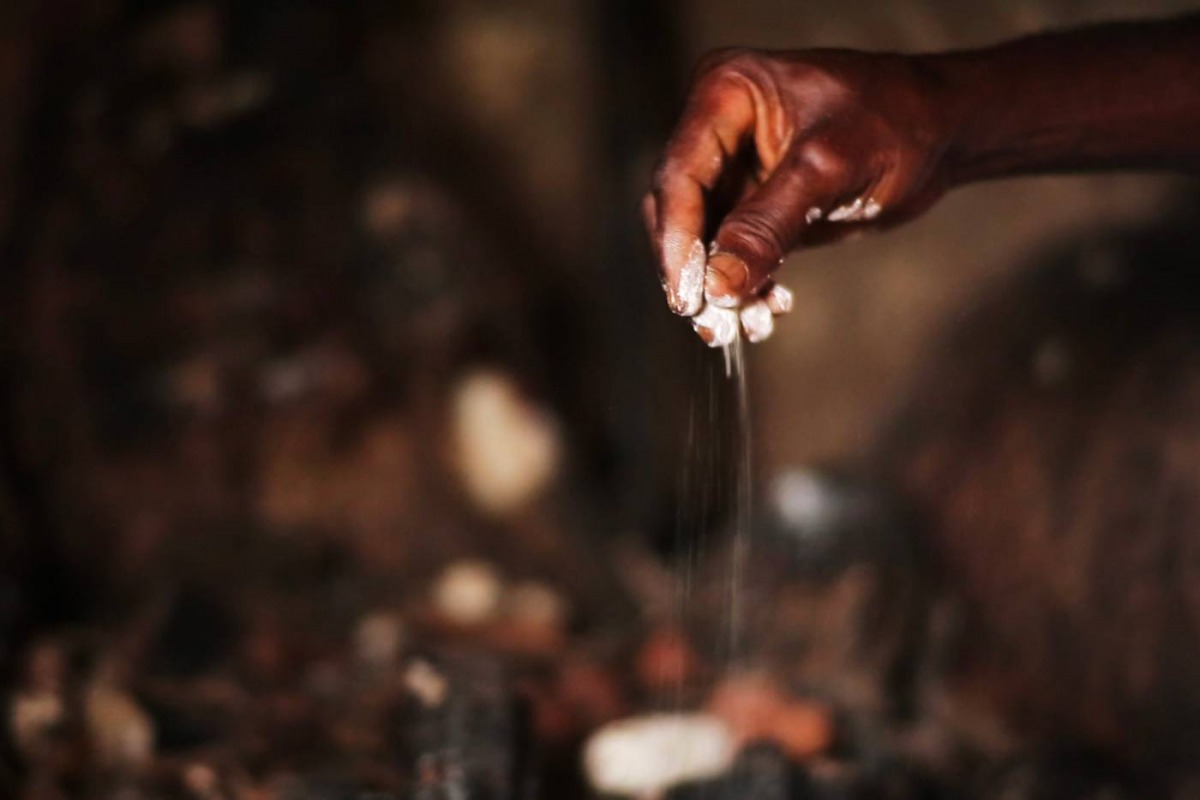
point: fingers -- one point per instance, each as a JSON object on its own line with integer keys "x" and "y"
{"x": 779, "y": 299}
{"x": 754, "y": 237}
{"x": 885, "y": 203}
{"x": 757, "y": 321}
{"x": 719, "y": 326}
{"x": 718, "y": 117}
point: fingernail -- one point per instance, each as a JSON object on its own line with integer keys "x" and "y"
{"x": 716, "y": 326}
{"x": 678, "y": 251}
{"x": 757, "y": 321}
{"x": 727, "y": 277}
{"x": 690, "y": 294}
{"x": 780, "y": 299}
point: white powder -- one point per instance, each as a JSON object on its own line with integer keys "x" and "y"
{"x": 757, "y": 320}
{"x": 847, "y": 213}
{"x": 722, "y": 323}
{"x": 780, "y": 299}
{"x": 690, "y": 295}
{"x": 469, "y": 592}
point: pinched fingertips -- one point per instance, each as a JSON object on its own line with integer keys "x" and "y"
{"x": 717, "y": 326}
{"x": 779, "y": 299}
{"x": 726, "y": 280}
{"x": 757, "y": 321}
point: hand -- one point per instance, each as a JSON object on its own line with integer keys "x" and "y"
{"x": 775, "y": 151}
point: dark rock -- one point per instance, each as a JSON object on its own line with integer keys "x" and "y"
{"x": 475, "y": 743}
{"x": 761, "y": 772}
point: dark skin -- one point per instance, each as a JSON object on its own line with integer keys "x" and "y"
{"x": 781, "y": 150}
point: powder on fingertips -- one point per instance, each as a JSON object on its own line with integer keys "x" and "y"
{"x": 690, "y": 293}
{"x": 722, "y": 323}
{"x": 757, "y": 321}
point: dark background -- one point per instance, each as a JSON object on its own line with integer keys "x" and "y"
{"x": 253, "y": 254}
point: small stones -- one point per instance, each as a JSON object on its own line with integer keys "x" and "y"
{"x": 33, "y": 717}
{"x": 469, "y": 593}
{"x": 379, "y": 639}
{"x": 473, "y": 741}
{"x": 755, "y": 710}
{"x": 803, "y": 500}
{"x": 202, "y": 782}
{"x": 536, "y": 605}
{"x": 39, "y": 708}
{"x": 424, "y": 682}
{"x": 666, "y": 660}
{"x": 507, "y": 449}
{"x": 121, "y": 734}
{"x": 644, "y": 756}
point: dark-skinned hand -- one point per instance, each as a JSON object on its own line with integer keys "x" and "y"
{"x": 779, "y": 150}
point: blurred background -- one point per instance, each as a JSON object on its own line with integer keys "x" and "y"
{"x": 315, "y": 313}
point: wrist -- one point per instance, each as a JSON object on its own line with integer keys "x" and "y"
{"x": 960, "y": 88}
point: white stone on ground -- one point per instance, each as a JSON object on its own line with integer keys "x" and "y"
{"x": 121, "y": 734}
{"x": 507, "y": 448}
{"x": 378, "y": 639}
{"x": 644, "y": 756}
{"x": 424, "y": 682}
{"x": 469, "y": 592}
{"x": 32, "y": 717}
{"x": 537, "y": 604}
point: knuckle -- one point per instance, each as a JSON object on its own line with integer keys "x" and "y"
{"x": 825, "y": 160}
{"x": 757, "y": 235}
{"x": 657, "y": 179}
{"x": 721, "y": 58}
{"x": 720, "y": 67}
{"x": 665, "y": 175}
{"x": 820, "y": 77}
{"x": 824, "y": 90}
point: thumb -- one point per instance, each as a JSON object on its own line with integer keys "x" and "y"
{"x": 759, "y": 232}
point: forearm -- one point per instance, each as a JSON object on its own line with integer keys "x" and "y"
{"x": 1113, "y": 96}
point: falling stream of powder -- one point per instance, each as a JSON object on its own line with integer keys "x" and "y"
{"x": 715, "y": 488}
{"x": 735, "y": 371}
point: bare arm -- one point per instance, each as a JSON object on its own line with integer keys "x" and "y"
{"x": 1110, "y": 97}
{"x": 780, "y": 150}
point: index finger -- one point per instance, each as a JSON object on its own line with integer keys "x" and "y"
{"x": 718, "y": 117}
